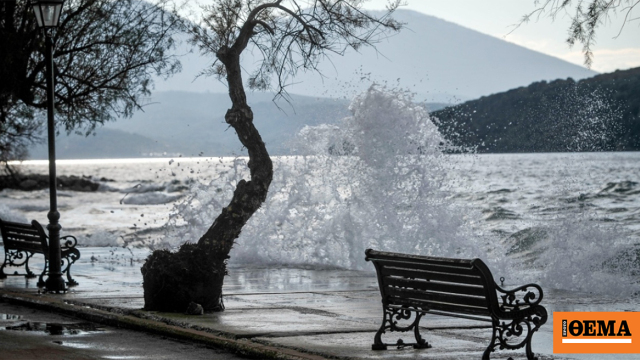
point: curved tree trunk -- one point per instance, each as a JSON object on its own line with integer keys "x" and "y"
{"x": 196, "y": 272}
{"x": 249, "y": 195}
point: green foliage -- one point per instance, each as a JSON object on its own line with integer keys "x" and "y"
{"x": 596, "y": 114}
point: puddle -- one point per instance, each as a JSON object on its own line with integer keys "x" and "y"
{"x": 56, "y": 329}
{"x": 10, "y": 317}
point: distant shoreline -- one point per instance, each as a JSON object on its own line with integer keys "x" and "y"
{"x": 180, "y": 158}
{"x": 31, "y": 182}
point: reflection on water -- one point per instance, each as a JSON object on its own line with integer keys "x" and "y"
{"x": 56, "y": 328}
{"x": 10, "y": 317}
{"x": 243, "y": 280}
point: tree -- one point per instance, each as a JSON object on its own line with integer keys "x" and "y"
{"x": 292, "y": 35}
{"x": 106, "y": 53}
{"x": 587, "y": 17}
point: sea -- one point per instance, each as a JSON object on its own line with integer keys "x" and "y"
{"x": 379, "y": 179}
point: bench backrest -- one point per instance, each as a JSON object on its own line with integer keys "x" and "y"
{"x": 449, "y": 286}
{"x": 19, "y": 236}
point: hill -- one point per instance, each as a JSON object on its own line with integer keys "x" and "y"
{"x": 192, "y": 124}
{"x": 104, "y": 144}
{"x": 601, "y": 113}
{"x": 438, "y": 60}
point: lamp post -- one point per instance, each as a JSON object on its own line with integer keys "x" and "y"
{"x": 47, "y": 15}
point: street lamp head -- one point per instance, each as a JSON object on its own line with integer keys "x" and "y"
{"x": 47, "y": 12}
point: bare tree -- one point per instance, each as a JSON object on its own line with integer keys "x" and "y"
{"x": 292, "y": 35}
{"x": 586, "y": 17}
{"x": 106, "y": 53}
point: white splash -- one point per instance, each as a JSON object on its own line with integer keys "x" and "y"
{"x": 373, "y": 180}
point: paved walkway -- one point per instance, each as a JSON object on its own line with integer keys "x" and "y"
{"x": 32, "y": 334}
{"x": 279, "y": 313}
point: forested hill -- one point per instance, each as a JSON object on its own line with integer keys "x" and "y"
{"x": 601, "y": 113}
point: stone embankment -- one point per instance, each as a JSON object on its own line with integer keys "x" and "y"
{"x": 30, "y": 182}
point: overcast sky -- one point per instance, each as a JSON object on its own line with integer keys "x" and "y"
{"x": 497, "y": 17}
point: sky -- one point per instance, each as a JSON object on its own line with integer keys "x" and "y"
{"x": 614, "y": 49}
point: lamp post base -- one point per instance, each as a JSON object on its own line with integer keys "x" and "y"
{"x": 55, "y": 284}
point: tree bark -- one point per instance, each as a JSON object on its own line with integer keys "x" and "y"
{"x": 249, "y": 195}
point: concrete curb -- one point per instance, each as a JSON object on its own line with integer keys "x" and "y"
{"x": 127, "y": 319}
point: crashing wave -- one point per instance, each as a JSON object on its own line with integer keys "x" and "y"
{"x": 374, "y": 180}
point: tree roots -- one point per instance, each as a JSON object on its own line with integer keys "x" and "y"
{"x": 174, "y": 279}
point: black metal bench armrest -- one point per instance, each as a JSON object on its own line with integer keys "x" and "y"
{"x": 68, "y": 248}
{"x": 70, "y": 241}
{"x": 522, "y": 297}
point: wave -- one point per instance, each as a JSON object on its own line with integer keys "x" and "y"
{"x": 8, "y": 214}
{"x": 147, "y": 186}
{"x": 379, "y": 179}
{"x": 499, "y": 213}
{"x": 620, "y": 188}
{"x": 381, "y": 190}
{"x": 150, "y": 198}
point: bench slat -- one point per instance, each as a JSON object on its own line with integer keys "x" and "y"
{"x": 430, "y": 275}
{"x": 23, "y": 245}
{"x": 373, "y": 255}
{"x": 33, "y": 232}
{"x": 21, "y": 230}
{"x": 451, "y": 299}
{"x": 422, "y": 304}
{"x": 11, "y": 234}
{"x": 23, "y": 238}
{"x": 461, "y": 269}
{"x": 435, "y": 286}
{"x": 10, "y": 225}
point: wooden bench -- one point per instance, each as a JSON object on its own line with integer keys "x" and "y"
{"x": 412, "y": 286}
{"x": 22, "y": 241}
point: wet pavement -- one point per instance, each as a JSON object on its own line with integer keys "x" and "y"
{"x": 27, "y": 334}
{"x": 270, "y": 313}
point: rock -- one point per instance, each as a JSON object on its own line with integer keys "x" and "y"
{"x": 75, "y": 183}
{"x": 32, "y": 182}
{"x": 194, "y": 309}
{"x": 28, "y": 185}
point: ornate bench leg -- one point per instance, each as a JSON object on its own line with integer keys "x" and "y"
{"x": 538, "y": 318}
{"x": 69, "y": 259}
{"x": 30, "y": 273}
{"x": 70, "y": 254}
{"x": 67, "y": 270}
{"x": 16, "y": 257}
{"x": 530, "y": 355}
{"x": 377, "y": 339}
{"x": 2, "y": 274}
{"x": 516, "y": 333}
{"x": 388, "y": 322}
{"x": 41, "y": 282}
{"x": 420, "y": 342}
{"x": 494, "y": 341}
